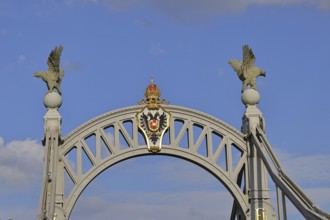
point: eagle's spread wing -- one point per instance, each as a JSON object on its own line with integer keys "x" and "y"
{"x": 248, "y": 57}
{"x": 54, "y": 59}
{"x": 144, "y": 122}
{"x": 237, "y": 66}
{"x": 162, "y": 121}
{"x": 61, "y": 74}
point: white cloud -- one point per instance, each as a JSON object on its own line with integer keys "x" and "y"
{"x": 20, "y": 162}
{"x": 221, "y": 72}
{"x": 307, "y": 168}
{"x": 148, "y": 205}
{"x": 2, "y": 141}
{"x": 176, "y": 185}
{"x": 311, "y": 173}
{"x": 323, "y": 4}
{"x": 178, "y": 171}
{"x": 148, "y": 24}
{"x": 198, "y": 10}
{"x": 321, "y": 197}
{"x": 318, "y": 195}
{"x": 21, "y": 59}
{"x": 72, "y": 66}
{"x": 156, "y": 49}
{"x": 170, "y": 171}
{"x": 17, "y": 212}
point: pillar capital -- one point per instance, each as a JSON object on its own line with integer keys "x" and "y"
{"x": 252, "y": 116}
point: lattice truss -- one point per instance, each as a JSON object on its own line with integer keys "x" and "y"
{"x": 192, "y": 135}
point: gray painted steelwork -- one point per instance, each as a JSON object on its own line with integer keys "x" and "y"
{"x": 246, "y": 180}
{"x": 187, "y": 117}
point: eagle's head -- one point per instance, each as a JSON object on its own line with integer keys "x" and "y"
{"x": 262, "y": 73}
{"x": 258, "y": 71}
{"x": 40, "y": 75}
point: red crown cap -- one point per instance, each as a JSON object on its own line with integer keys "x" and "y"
{"x": 152, "y": 92}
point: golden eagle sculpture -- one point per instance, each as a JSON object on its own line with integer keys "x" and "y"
{"x": 246, "y": 70}
{"x": 53, "y": 76}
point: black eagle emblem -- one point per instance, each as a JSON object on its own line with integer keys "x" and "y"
{"x": 151, "y": 133}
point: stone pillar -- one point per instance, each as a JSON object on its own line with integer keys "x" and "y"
{"x": 51, "y": 201}
{"x": 261, "y": 207}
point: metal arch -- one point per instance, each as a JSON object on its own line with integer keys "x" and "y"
{"x": 189, "y": 118}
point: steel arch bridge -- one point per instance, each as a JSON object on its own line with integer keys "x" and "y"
{"x": 239, "y": 160}
{"x": 191, "y": 135}
{"x": 121, "y": 121}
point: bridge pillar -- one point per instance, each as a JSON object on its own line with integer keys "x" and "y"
{"x": 261, "y": 207}
{"x": 51, "y": 201}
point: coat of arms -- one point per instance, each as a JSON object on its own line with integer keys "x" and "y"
{"x": 153, "y": 119}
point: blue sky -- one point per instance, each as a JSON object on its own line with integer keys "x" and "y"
{"x": 112, "y": 47}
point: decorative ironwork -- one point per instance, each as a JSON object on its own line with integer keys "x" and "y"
{"x": 153, "y": 119}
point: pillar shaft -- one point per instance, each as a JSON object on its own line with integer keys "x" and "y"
{"x": 261, "y": 207}
{"x": 51, "y": 201}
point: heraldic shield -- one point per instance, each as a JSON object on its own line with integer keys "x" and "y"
{"x": 153, "y": 123}
{"x": 153, "y": 119}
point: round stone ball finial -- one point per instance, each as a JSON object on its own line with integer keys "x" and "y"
{"x": 250, "y": 97}
{"x": 52, "y": 100}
